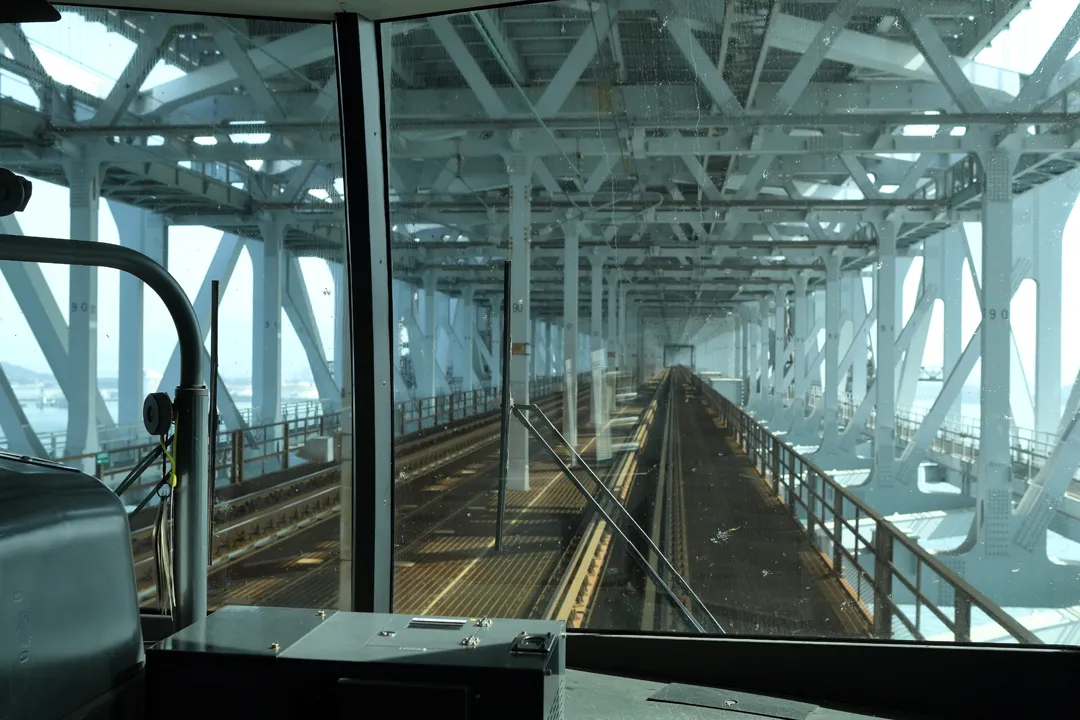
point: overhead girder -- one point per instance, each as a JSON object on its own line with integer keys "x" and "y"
{"x": 732, "y": 143}
{"x": 669, "y": 106}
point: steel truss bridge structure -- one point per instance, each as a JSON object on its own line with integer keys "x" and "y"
{"x": 752, "y": 177}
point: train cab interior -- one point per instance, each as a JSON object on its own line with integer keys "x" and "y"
{"x": 583, "y": 359}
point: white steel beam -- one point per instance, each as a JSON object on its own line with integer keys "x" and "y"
{"x": 268, "y": 270}
{"x": 277, "y": 57}
{"x": 147, "y": 233}
{"x": 993, "y": 508}
{"x": 1035, "y": 87}
{"x": 570, "y": 338}
{"x": 950, "y": 390}
{"x": 1045, "y": 493}
{"x": 831, "y": 387}
{"x": 492, "y": 24}
{"x": 875, "y": 53}
{"x": 250, "y": 79}
{"x": 37, "y": 303}
{"x": 298, "y": 309}
{"x": 483, "y": 90}
{"x": 703, "y": 66}
{"x": 19, "y": 435}
{"x": 84, "y": 179}
{"x": 575, "y": 63}
{"x": 517, "y": 475}
{"x": 940, "y": 60}
{"x": 221, "y": 268}
{"x": 739, "y": 143}
{"x": 126, "y": 88}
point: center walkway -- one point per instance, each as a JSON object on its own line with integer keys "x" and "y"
{"x": 747, "y": 558}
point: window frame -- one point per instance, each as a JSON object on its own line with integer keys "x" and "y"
{"x": 365, "y": 170}
{"x": 840, "y": 673}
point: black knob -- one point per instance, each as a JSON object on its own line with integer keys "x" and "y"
{"x": 158, "y": 414}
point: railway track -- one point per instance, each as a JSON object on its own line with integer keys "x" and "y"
{"x": 302, "y": 572}
{"x": 575, "y": 594}
{"x": 255, "y": 521}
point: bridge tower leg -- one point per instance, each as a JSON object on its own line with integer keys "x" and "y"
{"x": 84, "y": 179}
{"x": 570, "y": 324}
{"x": 268, "y": 269}
{"x": 517, "y": 477}
{"x": 147, "y": 233}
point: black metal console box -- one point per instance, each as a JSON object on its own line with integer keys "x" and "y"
{"x": 284, "y": 663}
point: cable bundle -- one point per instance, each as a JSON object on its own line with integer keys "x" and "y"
{"x": 166, "y": 588}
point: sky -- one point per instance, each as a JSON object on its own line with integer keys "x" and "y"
{"x": 86, "y": 56}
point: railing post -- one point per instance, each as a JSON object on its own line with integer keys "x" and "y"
{"x": 883, "y": 547}
{"x": 776, "y": 465}
{"x": 285, "y": 440}
{"x": 789, "y": 455}
{"x": 962, "y": 617}
{"x": 838, "y": 534}
{"x": 237, "y": 456}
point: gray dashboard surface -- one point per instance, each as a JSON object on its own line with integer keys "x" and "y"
{"x": 591, "y": 696}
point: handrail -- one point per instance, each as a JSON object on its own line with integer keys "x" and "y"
{"x": 403, "y": 413}
{"x": 774, "y": 453}
{"x": 654, "y": 575}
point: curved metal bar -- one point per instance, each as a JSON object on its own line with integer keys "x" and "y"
{"x": 26, "y": 248}
{"x": 192, "y": 401}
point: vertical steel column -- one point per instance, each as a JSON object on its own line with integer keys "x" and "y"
{"x": 859, "y": 352}
{"x": 740, "y": 345}
{"x": 750, "y": 353}
{"x": 779, "y": 343}
{"x": 497, "y": 323}
{"x": 268, "y": 289}
{"x": 144, "y": 232}
{"x": 555, "y": 368}
{"x": 624, "y": 294}
{"x": 831, "y": 390}
{"x": 596, "y": 324}
{"x": 468, "y": 308}
{"x": 428, "y": 386}
{"x": 341, "y": 302}
{"x": 1049, "y": 224}
{"x": 84, "y": 180}
{"x": 952, "y": 291}
{"x": 885, "y": 289}
{"x": 767, "y": 378}
{"x": 505, "y": 406}
{"x": 611, "y": 335}
{"x": 572, "y": 232}
{"x": 799, "y": 361}
{"x": 952, "y": 288}
{"x": 366, "y": 497}
{"x": 538, "y": 348}
{"x": 520, "y": 225}
{"x": 994, "y": 494}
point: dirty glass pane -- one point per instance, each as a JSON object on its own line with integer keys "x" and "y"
{"x": 212, "y": 146}
{"x": 788, "y": 276}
